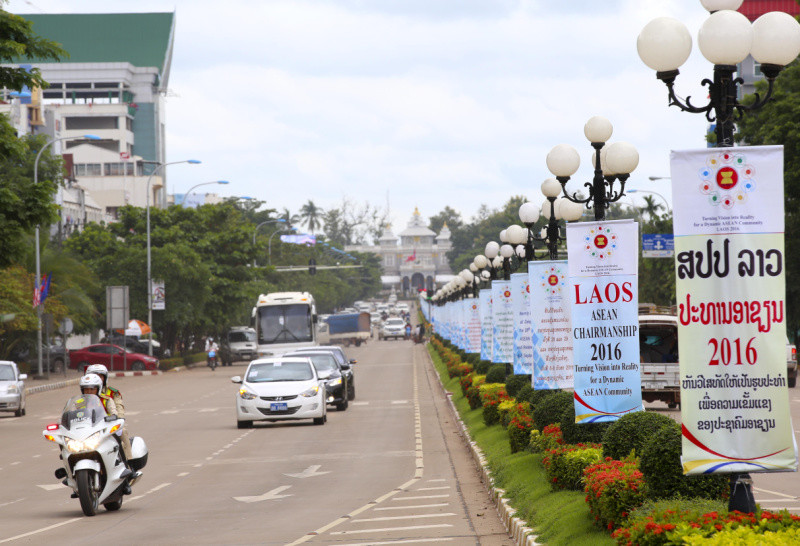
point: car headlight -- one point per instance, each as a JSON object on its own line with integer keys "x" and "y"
{"x": 244, "y": 394}
{"x": 310, "y": 392}
{"x": 335, "y": 381}
{"x": 89, "y": 444}
{"x": 12, "y": 389}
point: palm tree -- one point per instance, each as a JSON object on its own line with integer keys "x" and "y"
{"x": 311, "y": 215}
{"x": 289, "y": 218}
{"x": 651, "y": 208}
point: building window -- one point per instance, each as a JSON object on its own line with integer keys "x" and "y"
{"x": 390, "y": 260}
{"x": 118, "y": 169}
{"x": 88, "y": 169}
{"x": 91, "y": 122}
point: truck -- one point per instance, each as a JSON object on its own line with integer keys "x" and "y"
{"x": 283, "y": 322}
{"x": 658, "y": 356}
{"x": 346, "y": 329}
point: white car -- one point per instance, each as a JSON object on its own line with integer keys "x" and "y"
{"x": 280, "y": 389}
{"x": 12, "y": 388}
{"x": 393, "y": 328}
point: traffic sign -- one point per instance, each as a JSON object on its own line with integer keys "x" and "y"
{"x": 658, "y": 245}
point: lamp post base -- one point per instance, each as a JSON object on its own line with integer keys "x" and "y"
{"x": 742, "y": 498}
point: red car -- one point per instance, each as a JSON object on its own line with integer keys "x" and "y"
{"x": 111, "y": 356}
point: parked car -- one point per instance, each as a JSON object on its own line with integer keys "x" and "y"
{"x": 791, "y": 363}
{"x": 112, "y": 357}
{"x": 135, "y": 344}
{"x": 344, "y": 362}
{"x": 338, "y": 377}
{"x": 280, "y": 389}
{"x": 54, "y": 360}
{"x": 393, "y": 327}
{"x": 238, "y": 344}
{"x": 12, "y": 388}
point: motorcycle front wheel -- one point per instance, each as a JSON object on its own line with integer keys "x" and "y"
{"x": 86, "y": 492}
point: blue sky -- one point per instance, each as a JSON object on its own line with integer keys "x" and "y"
{"x": 432, "y": 103}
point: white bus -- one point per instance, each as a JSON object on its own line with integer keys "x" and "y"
{"x": 284, "y": 321}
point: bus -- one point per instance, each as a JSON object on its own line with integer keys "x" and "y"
{"x": 284, "y": 321}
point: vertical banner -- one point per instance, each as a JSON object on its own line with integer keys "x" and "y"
{"x": 502, "y": 323}
{"x": 603, "y": 280}
{"x": 522, "y": 345}
{"x": 158, "y": 295}
{"x": 731, "y": 292}
{"x": 474, "y": 325}
{"x": 552, "y": 326}
{"x": 485, "y": 306}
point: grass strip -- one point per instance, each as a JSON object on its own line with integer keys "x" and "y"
{"x": 558, "y": 517}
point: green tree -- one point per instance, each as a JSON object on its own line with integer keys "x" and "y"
{"x": 448, "y": 216}
{"x": 651, "y": 206}
{"x": 776, "y": 123}
{"x": 311, "y": 215}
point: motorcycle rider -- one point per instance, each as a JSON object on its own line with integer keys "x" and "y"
{"x": 112, "y": 393}
{"x": 92, "y": 384}
{"x": 212, "y": 347}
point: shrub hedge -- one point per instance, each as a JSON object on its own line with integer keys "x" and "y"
{"x": 496, "y": 374}
{"x": 548, "y": 409}
{"x": 631, "y": 431}
{"x": 576, "y": 433}
{"x": 514, "y": 384}
{"x": 565, "y": 464}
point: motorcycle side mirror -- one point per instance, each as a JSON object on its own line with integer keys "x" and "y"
{"x": 236, "y": 379}
{"x": 111, "y": 418}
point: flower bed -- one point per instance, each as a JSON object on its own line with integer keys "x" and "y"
{"x": 549, "y": 438}
{"x": 565, "y": 464}
{"x": 613, "y": 488}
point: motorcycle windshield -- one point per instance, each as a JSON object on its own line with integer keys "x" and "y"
{"x": 82, "y": 410}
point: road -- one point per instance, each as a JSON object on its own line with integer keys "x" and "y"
{"x": 390, "y": 469}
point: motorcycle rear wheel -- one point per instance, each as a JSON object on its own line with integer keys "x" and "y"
{"x": 86, "y": 492}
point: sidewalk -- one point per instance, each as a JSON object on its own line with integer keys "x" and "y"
{"x": 70, "y": 378}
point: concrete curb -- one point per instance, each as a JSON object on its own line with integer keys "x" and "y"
{"x": 72, "y": 382}
{"x": 516, "y": 527}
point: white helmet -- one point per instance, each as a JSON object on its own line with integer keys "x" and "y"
{"x": 91, "y": 381}
{"x": 100, "y": 370}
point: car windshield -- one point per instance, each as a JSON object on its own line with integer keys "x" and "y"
{"x": 284, "y": 323}
{"x": 658, "y": 344}
{"x": 321, "y": 361}
{"x": 241, "y": 337}
{"x": 82, "y": 410}
{"x": 6, "y": 373}
{"x": 279, "y": 371}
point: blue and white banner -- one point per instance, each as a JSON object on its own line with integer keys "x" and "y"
{"x": 473, "y": 326}
{"x": 603, "y": 274}
{"x": 485, "y": 307}
{"x": 502, "y": 322}
{"x": 553, "y": 366}
{"x": 522, "y": 344}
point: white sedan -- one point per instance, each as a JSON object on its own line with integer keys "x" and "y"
{"x": 12, "y": 388}
{"x": 280, "y": 389}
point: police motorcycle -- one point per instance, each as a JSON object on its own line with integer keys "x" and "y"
{"x": 92, "y": 456}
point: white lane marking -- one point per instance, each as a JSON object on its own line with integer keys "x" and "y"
{"x": 437, "y": 480}
{"x": 432, "y": 488}
{"x": 208, "y": 410}
{"x": 132, "y": 412}
{"x": 51, "y": 486}
{"x": 390, "y": 529}
{"x": 269, "y": 495}
{"x": 37, "y": 456}
{"x": 399, "y": 401}
{"x": 421, "y": 497}
{"x": 12, "y": 502}
{"x": 412, "y": 507}
{"x": 412, "y": 516}
{"x": 169, "y": 412}
{"x": 359, "y": 403}
{"x": 42, "y": 530}
{"x": 309, "y": 472}
{"x": 198, "y": 465}
{"x": 409, "y": 541}
{"x": 774, "y": 493}
{"x": 15, "y": 463}
{"x": 182, "y": 474}
{"x": 153, "y": 490}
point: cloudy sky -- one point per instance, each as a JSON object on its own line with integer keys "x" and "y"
{"x": 426, "y": 103}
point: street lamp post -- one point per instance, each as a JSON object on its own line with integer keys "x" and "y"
{"x": 612, "y": 163}
{"x": 185, "y": 195}
{"x": 264, "y": 223}
{"x": 269, "y": 246}
{"x": 149, "y": 264}
{"x": 726, "y": 38}
{"x": 38, "y": 255}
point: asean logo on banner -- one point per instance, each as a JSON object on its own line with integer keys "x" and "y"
{"x": 727, "y": 179}
{"x": 600, "y": 242}
{"x": 474, "y": 306}
{"x": 506, "y": 296}
{"x": 553, "y": 280}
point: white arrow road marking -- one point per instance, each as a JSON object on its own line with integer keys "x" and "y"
{"x": 269, "y": 495}
{"x": 51, "y": 486}
{"x": 309, "y": 472}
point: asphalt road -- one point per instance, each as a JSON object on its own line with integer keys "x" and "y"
{"x": 392, "y": 469}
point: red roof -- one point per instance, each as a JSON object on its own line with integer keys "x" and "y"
{"x": 753, "y": 9}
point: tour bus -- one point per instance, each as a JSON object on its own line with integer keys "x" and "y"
{"x": 284, "y": 321}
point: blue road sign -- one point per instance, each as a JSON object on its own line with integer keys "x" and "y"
{"x": 658, "y": 245}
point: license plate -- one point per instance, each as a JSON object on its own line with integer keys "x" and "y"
{"x": 278, "y": 407}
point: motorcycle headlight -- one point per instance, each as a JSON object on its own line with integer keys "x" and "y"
{"x": 244, "y": 394}
{"x": 89, "y": 444}
{"x": 335, "y": 381}
{"x": 311, "y": 392}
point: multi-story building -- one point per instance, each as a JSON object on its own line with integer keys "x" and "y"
{"x": 419, "y": 261}
{"x": 111, "y": 86}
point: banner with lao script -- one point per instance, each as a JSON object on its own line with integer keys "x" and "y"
{"x": 731, "y": 294}
{"x": 485, "y": 306}
{"x": 522, "y": 344}
{"x": 603, "y": 284}
{"x": 473, "y": 326}
{"x": 461, "y": 320}
{"x": 502, "y": 322}
{"x": 551, "y": 324}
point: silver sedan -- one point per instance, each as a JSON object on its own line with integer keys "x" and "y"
{"x": 12, "y": 388}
